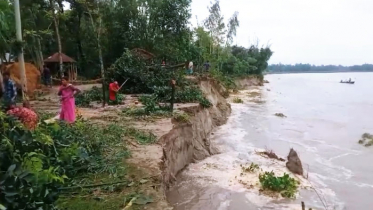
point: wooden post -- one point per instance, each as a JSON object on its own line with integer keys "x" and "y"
{"x": 303, "y": 206}
{"x": 173, "y": 84}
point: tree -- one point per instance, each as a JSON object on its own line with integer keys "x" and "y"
{"x": 215, "y": 25}
{"x": 57, "y": 30}
{"x": 233, "y": 24}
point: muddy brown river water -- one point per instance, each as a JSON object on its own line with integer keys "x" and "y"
{"x": 325, "y": 120}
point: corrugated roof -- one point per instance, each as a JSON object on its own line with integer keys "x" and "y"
{"x": 55, "y": 58}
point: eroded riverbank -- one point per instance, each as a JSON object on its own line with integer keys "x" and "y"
{"x": 317, "y": 126}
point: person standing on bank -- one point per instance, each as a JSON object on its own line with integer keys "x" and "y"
{"x": 113, "y": 90}
{"x": 67, "y": 93}
{"x": 47, "y": 76}
{"x": 10, "y": 90}
{"x": 207, "y": 66}
{"x": 190, "y": 68}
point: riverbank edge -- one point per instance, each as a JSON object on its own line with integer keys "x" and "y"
{"x": 190, "y": 141}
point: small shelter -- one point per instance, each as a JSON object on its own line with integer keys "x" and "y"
{"x": 70, "y": 68}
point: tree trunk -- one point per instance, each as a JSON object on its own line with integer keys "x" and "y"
{"x": 79, "y": 44}
{"x": 56, "y": 25}
{"x": 98, "y": 33}
{"x": 39, "y": 54}
{"x": 101, "y": 61}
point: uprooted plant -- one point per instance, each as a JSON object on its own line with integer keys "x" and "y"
{"x": 237, "y": 100}
{"x": 251, "y": 168}
{"x": 285, "y": 185}
{"x": 280, "y": 115}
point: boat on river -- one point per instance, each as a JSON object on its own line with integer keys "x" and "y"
{"x": 348, "y": 82}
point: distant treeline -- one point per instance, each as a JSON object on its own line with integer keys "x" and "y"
{"x": 304, "y": 68}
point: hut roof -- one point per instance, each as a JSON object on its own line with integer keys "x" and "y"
{"x": 143, "y": 53}
{"x": 55, "y": 58}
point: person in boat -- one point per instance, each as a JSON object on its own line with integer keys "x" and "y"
{"x": 349, "y": 80}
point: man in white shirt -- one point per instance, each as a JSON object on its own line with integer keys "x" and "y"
{"x": 190, "y": 68}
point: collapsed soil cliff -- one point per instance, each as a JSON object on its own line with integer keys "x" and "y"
{"x": 189, "y": 142}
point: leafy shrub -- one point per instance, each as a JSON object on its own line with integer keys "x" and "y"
{"x": 85, "y": 98}
{"x": 205, "y": 103}
{"x": 150, "y": 104}
{"x": 34, "y": 164}
{"x": 237, "y": 100}
{"x": 28, "y": 177}
{"x": 285, "y": 185}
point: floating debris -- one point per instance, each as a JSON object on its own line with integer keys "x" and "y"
{"x": 280, "y": 115}
{"x": 237, "y": 100}
{"x": 271, "y": 154}
{"x": 366, "y": 139}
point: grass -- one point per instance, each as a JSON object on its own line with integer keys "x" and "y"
{"x": 181, "y": 117}
{"x": 251, "y": 169}
{"x": 142, "y": 137}
{"x": 285, "y": 185}
{"x": 237, "y": 100}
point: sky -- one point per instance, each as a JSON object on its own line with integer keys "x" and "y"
{"x": 319, "y": 32}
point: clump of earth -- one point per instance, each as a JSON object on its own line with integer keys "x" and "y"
{"x": 366, "y": 139}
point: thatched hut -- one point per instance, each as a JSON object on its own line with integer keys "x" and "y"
{"x": 32, "y": 76}
{"x": 70, "y": 68}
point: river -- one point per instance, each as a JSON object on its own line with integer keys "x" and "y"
{"x": 325, "y": 119}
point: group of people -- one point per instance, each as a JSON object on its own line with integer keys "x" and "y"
{"x": 66, "y": 92}
{"x": 25, "y": 114}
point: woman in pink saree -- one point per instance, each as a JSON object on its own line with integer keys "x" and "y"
{"x": 67, "y": 92}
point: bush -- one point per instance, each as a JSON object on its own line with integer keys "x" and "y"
{"x": 205, "y": 103}
{"x": 285, "y": 185}
{"x": 85, "y": 98}
{"x": 35, "y": 164}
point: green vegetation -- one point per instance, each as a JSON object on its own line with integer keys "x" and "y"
{"x": 285, "y": 185}
{"x": 85, "y": 98}
{"x": 109, "y": 33}
{"x": 251, "y": 169}
{"x": 366, "y": 139}
{"x": 181, "y": 117}
{"x": 37, "y": 166}
{"x": 237, "y": 100}
{"x": 281, "y": 68}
